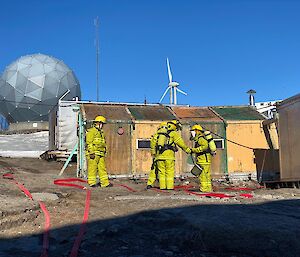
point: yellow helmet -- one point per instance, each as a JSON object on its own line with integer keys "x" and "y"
{"x": 197, "y": 127}
{"x": 100, "y": 119}
{"x": 175, "y": 122}
{"x": 174, "y": 125}
{"x": 163, "y": 124}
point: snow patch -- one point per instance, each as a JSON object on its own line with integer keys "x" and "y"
{"x": 21, "y": 154}
{"x": 24, "y": 145}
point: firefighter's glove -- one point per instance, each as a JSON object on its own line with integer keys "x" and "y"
{"x": 188, "y": 150}
{"x": 92, "y": 156}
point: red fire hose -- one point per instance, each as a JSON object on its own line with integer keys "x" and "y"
{"x": 66, "y": 182}
{"x": 44, "y": 209}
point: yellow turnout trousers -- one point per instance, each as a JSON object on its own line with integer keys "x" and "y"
{"x": 94, "y": 165}
{"x": 205, "y": 178}
{"x": 166, "y": 171}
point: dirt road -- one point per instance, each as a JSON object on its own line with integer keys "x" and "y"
{"x": 143, "y": 223}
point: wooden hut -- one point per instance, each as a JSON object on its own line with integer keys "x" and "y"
{"x": 118, "y": 133}
{"x": 289, "y": 139}
{"x": 244, "y": 134}
{"x": 237, "y": 131}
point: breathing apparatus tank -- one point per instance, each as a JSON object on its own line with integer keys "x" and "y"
{"x": 211, "y": 143}
{"x": 162, "y": 138}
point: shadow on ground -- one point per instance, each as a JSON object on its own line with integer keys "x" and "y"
{"x": 269, "y": 229}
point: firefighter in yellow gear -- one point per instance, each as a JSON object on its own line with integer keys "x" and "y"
{"x": 203, "y": 155}
{"x": 96, "y": 151}
{"x": 160, "y": 133}
{"x": 165, "y": 158}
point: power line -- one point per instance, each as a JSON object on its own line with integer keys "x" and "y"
{"x": 248, "y": 147}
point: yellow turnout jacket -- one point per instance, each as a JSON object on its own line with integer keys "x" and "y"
{"x": 95, "y": 141}
{"x": 202, "y": 150}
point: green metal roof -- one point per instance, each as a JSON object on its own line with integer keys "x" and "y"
{"x": 238, "y": 113}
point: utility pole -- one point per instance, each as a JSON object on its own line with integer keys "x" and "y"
{"x": 96, "y": 23}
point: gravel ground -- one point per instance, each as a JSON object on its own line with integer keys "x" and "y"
{"x": 145, "y": 222}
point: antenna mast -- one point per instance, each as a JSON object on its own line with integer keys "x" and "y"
{"x": 96, "y": 22}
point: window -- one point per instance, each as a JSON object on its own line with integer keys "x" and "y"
{"x": 143, "y": 144}
{"x": 219, "y": 143}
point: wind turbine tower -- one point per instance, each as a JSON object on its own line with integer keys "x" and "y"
{"x": 173, "y": 87}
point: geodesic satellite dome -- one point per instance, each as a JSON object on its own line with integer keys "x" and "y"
{"x": 31, "y": 86}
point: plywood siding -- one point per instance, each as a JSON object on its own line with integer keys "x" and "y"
{"x": 183, "y": 164}
{"x": 289, "y": 135}
{"x": 251, "y": 134}
{"x": 267, "y": 164}
{"x": 218, "y": 166}
{"x": 118, "y": 159}
{"x": 141, "y": 157}
{"x": 186, "y": 163}
{"x": 210, "y": 121}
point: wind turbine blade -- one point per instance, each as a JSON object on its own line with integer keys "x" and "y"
{"x": 164, "y": 94}
{"x": 169, "y": 71}
{"x": 182, "y": 92}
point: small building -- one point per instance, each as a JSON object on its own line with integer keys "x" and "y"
{"x": 244, "y": 134}
{"x": 128, "y": 131}
{"x": 118, "y": 133}
{"x": 130, "y": 126}
{"x": 289, "y": 139}
{"x": 267, "y": 109}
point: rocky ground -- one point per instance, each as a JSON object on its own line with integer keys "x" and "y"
{"x": 144, "y": 222}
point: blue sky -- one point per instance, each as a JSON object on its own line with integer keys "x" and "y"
{"x": 217, "y": 49}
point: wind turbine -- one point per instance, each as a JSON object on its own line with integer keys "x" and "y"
{"x": 173, "y": 87}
